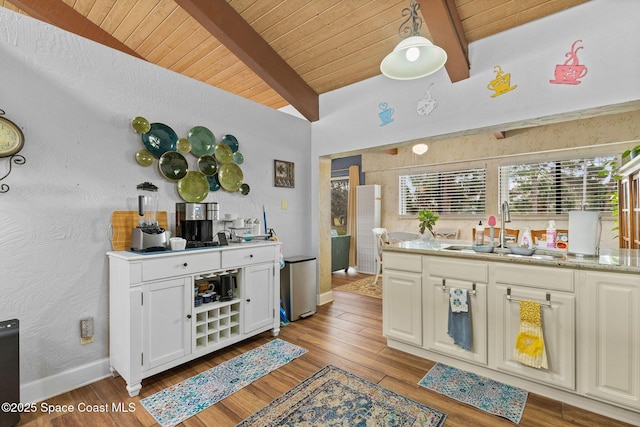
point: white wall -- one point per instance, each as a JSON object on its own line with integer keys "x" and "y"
{"x": 349, "y": 116}
{"x": 74, "y": 100}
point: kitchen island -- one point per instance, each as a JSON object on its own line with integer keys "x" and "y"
{"x": 590, "y": 310}
{"x": 155, "y": 321}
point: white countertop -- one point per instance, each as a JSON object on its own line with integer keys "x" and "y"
{"x": 615, "y": 260}
{"x": 133, "y": 255}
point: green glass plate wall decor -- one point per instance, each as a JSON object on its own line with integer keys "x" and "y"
{"x": 223, "y": 153}
{"x": 230, "y": 176}
{"x": 238, "y": 158}
{"x": 214, "y": 182}
{"x": 144, "y": 157}
{"x": 140, "y": 124}
{"x": 208, "y": 165}
{"x": 184, "y": 146}
{"x": 194, "y": 187}
{"x": 160, "y": 139}
{"x": 173, "y": 165}
{"x": 231, "y": 141}
{"x": 244, "y": 189}
{"x": 202, "y": 141}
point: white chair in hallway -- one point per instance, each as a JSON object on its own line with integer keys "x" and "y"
{"x": 381, "y": 238}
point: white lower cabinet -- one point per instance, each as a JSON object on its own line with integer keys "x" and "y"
{"x": 166, "y": 325}
{"x": 442, "y": 275}
{"x": 154, "y": 325}
{"x": 611, "y": 337}
{"x": 259, "y": 309}
{"x": 402, "y": 298}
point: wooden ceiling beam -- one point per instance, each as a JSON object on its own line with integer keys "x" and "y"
{"x": 61, "y": 15}
{"x": 445, "y": 26}
{"x": 226, "y": 25}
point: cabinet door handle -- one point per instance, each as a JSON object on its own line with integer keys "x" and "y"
{"x": 185, "y": 264}
{"x": 248, "y": 299}
{"x": 250, "y": 255}
{"x": 188, "y": 316}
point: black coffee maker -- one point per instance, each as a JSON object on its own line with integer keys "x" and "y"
{"x": 193, "y": 225}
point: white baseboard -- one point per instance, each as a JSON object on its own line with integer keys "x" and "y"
{"x": 45, "y": 388}
{"x": 325, "y": 298}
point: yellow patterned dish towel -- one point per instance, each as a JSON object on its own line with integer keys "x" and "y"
{"x": 530, "y": 349}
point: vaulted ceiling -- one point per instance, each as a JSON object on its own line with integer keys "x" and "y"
{"x": 281, "y": 52}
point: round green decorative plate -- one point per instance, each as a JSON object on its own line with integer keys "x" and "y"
{"x": 173, "y": 165}
{"x": 194, "y": 187}
{"x": 140, "y": 124}
{"x": 223, "y": 153}
{"x": 144, "y": 157}
{"x": 230, "y": 176}
{"x": 202, "y": 141}
{"x": 208, "y": 165}
{"x": 184, "y": 146}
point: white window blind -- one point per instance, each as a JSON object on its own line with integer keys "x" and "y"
{"x": 556, "y": 187}
{"x": 447, "y": 193}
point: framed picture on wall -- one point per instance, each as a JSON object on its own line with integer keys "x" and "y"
{"x": 283, "y": 174}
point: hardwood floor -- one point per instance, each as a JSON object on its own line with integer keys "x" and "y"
{"x": 346, "y": 333}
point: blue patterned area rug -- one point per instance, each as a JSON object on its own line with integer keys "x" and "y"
{"x": 484, "y": 393}
{"x": 175, "y": 404}
{"x": 335, "y": 397}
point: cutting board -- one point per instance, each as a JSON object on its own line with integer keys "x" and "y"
{"x": 121, "y": 224}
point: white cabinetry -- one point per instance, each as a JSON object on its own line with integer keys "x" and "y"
{"x": 442, "y": 275}
{"x": 259, "y": 309}
{"x": 153, "y": 324}
{"x": 166, "y": 321}
{"x": 558, "y": 320}
{"x": 611, "y": 338}
{"x": 402, "y": 297}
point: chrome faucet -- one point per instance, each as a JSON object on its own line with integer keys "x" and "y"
{"x": 505, "y": 216}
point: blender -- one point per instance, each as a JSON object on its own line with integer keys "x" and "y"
{"x": 148, "y": 236}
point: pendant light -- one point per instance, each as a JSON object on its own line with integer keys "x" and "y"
{"x": 415, "y": 56}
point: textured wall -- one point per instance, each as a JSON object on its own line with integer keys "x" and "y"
{"x": 74, "y": 101}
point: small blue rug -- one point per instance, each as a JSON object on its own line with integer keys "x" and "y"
{"x": 175, "y": 404}
{"x": 484, "y": 393}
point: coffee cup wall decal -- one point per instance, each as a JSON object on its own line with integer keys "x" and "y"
{"x": 427, "y": 104}
{"x": 502, "y": 83}
{"x": 385, "y": 114}
{"x": 571, "y": 71}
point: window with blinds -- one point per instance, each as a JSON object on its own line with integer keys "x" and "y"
{"x": 556, "y": 187}
{"x": 447, "y": 193}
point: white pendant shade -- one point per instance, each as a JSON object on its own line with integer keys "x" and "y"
{"x": 420, "y": 149}
{"x": 412, "y": 58}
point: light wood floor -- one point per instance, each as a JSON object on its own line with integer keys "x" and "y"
{"x": 346, "y": 333}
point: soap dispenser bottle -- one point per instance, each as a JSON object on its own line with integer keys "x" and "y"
{"x": 551, "y": 235}
{"x": 479, "y": 234}
{"x": 526, "y": 239}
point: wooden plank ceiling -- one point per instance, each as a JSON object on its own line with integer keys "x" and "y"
{"x": 281, "y": 52}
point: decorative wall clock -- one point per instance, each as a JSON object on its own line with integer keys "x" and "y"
{"x": 11, "y": 142}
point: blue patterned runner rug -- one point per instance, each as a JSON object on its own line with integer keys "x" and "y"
{"x": 334, "y": 397}
{"x": 484, "y": 393}
{"x": 175, "y": 404}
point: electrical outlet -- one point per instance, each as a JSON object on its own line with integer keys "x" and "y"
{"x": 86, "y": 328}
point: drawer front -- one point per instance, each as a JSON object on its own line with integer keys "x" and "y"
{"x": 472, "y": 271}
{"x": 247, "y": 256}
{"x": 560, "y": 279}
{"x": 402, "y": 262}
{"x": 179, "y": 265}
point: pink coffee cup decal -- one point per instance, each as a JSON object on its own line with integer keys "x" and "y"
{"x": 571, "y": 71}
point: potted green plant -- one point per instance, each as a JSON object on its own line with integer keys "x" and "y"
{"x": 427, "y": 219}
{"x": 630, "y": 153}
